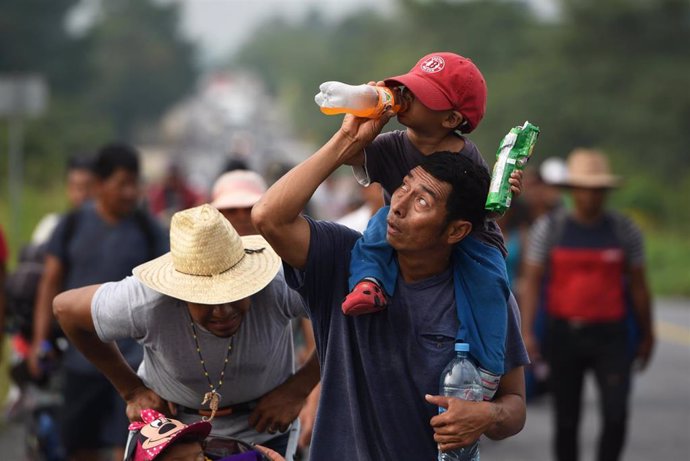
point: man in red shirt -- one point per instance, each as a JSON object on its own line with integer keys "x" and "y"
{"x": 597, "y": 302}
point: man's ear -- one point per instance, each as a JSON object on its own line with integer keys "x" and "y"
{"x": 457, "y": 230}
{"x": 453, "y": 120}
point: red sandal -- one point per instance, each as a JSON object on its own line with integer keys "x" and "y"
{"x": 366, "y": 297}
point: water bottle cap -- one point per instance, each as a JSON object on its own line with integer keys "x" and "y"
{"x": 462, "y": 347}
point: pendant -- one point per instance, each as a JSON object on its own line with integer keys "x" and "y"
{"x": 213, "y": 399}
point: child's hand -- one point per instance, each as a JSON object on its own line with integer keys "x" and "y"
{"x": 515, "y": 181}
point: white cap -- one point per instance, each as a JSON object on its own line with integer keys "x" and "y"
{"x": 553, "y": 170}
{"x": 237, "y": 189}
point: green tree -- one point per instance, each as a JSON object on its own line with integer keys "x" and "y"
{"x": 138, "y": 64}
{"x": 610, "y": 75}
{"x": 105, "y": 82}
{"x": 33, "y": 38}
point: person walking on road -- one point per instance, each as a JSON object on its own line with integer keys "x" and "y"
{"x": 597, "y": 303}
{"x": 79, "y": 185}
{"x": 100, "y": 241}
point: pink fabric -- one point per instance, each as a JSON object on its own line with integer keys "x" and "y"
{"x": 157, "y": 432}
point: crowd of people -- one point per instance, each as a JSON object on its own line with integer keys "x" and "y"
{"x": 182, "y": 309}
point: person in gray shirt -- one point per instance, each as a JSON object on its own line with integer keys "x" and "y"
{"x": 213, "y": 316}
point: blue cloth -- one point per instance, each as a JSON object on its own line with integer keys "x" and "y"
{"x": 481, "y": 298}
{"x": 481, "y": 287}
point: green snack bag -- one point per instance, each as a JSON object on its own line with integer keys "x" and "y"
{"x": 513, "y": 153}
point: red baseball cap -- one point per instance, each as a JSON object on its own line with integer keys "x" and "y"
{"x": 444, "y": 81}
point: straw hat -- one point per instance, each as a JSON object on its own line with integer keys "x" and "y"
{"x": 238, "y": 189}
{"x": 208, "y": 262}
{"x": 589, "y": 168}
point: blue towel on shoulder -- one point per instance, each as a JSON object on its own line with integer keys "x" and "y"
{"x": 481, "y": 283}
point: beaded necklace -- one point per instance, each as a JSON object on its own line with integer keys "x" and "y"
{"x": 212, "y": 397}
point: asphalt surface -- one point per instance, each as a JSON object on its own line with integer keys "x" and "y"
{"x": 659, "y": 426}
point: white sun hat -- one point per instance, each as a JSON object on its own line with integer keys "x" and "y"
{"x": 208, "y": 262}
{"x": 237, "y": 189}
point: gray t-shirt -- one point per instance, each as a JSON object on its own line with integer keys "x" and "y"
{"x": 376, "y": 369}
{"x": 261, "y": 357}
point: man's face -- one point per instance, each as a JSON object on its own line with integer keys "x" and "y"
{"x": 417, "y": 217}
{"x": 119, "y": 192}
{"x": 79, "y": 186}
{"x": 222, "y": 320}
{"x": 589, "y": 202}
{"x": 241, "y": 220}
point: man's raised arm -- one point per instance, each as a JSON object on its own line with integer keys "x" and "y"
{"x": 277, "y": 215}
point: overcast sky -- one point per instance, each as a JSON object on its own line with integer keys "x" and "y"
{"x": 220, "y": 26}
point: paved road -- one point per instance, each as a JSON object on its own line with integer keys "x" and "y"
{"x": 660, "y": 420}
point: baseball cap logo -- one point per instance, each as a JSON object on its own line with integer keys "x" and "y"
{"x": 433, "y": 64}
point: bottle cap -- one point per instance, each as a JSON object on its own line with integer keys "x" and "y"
{"x": 462, "y": 347}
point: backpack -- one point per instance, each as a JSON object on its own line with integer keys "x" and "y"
{"x": 21, "y": 285}
{"x": 557, "y": 223}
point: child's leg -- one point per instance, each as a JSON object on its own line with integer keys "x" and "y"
{"x": 372, "y": 269}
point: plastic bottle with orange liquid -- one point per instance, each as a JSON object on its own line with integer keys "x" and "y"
{"x": 361, "y": 100}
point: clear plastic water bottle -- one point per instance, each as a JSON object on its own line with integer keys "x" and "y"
{"x": 361, "y": 100}
{"x": 461, "y": 379}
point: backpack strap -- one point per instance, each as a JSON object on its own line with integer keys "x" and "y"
{"x": 71, "y": 221}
